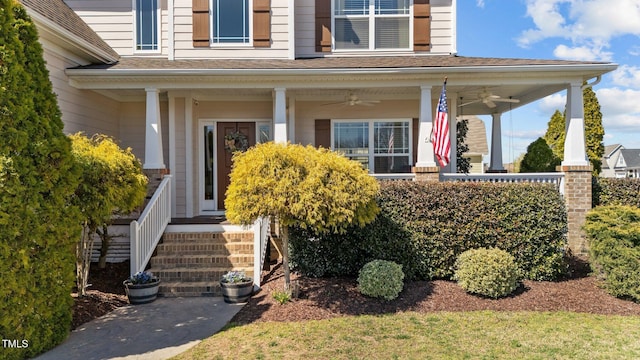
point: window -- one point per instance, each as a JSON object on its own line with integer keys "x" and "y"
{"x": 381, "y": 146}
{"x": 371, "y": 24}
{"x": 231, "y": 21}
{"x": 147, "y": 25}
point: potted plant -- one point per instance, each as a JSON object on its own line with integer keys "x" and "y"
{"x": 142, "y": 287}
{"x": 236, "y": 287}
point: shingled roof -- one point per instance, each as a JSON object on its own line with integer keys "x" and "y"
{"x": 369, "y": 62}
{"x": 58, "y": 12}
{"x": 631, "y": 158}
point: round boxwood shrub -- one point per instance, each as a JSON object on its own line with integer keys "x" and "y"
{"x": 381, "y": 278}
{"x": 489, "y": 272}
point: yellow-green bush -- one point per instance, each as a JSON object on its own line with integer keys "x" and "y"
{"x": 381, "y": 279}
{"x": 301, "y": 186}
{"x": 488, "y": 272}
{"x": 38, "y": 224}
{"x": 613, "y": 233}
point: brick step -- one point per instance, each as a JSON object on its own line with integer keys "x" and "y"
{"x": 208, "y": 237}
{"x": 190, "y": 274}
{"x": 205, "y": 247}
{"x": 202, "y": 260}
{"x": 181, "y": 288}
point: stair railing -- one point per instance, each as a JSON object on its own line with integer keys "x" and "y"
{"x": 146, "y": 232}
{"x": 260, "y": 240}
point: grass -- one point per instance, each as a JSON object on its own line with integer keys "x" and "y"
{"x": 454, "y": 335}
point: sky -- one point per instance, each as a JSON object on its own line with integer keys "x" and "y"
{"x": 589, "y": 30}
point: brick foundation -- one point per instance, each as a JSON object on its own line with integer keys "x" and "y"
{"x": 427, "y": 174}
{"x": 577, "y": 195}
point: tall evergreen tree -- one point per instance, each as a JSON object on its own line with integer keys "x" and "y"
{"x": 38, "y": 227}
{"x": 594, "y": 131}
{"x": 463, "y": 164}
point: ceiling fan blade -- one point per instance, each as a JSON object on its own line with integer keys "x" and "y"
{"x": 469, "y": 103}
{"x": 489, "y": 103}
{"x": 506, "y": 100}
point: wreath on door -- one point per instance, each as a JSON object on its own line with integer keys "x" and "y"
{"x": 236, "y": 141}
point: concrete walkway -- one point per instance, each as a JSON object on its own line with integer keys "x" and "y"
{"x": 159, "y": 330}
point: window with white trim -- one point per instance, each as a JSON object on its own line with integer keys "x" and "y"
{"x": 381, "y": 146}
{"x": 147, "y": 23}
{"x": 231, "y": 20}
{"x": 371, "y": 24}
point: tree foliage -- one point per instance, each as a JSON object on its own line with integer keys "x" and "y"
{"x": 463, "y": 164}
{"x": 301, "y": 186}
{"x": 539, "y": 158}
{"x": 112, "y": 183}
{"x": 38, "y": 224}
{"x": 594, "y": 131}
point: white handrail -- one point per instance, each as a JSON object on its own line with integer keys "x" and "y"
{"x": 260, "y": 238}
{"x": 556, "y": 178}
{"x": 146, "y": 232}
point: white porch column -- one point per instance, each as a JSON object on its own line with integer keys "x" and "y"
{"x": 153, "y": 154}
{"x": 452, "y": 167}
{"x": 280, "y": 115}
{"x": 575, "y": 153}
{"x": 495, "y": 164}
{"x": 425, "y": 148}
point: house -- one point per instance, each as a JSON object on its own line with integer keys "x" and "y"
{"x": 476, "y": 140}
{"x": 172, "y": 78}
{"x": 619, "y": 162}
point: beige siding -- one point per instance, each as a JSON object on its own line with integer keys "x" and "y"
{"x": 179, "y": 171}
{"x": 308, "y": 111}
{"x": 441, "y": 28}
{"x": 113, "y": 21}
{"x": 132, "y": 128}
{"x": 279, "y": 35}
{"x": 82, "y": 110}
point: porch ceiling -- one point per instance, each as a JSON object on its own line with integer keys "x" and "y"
{"x": 381, "y": 78}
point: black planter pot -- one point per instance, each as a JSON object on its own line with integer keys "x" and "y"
{"x": 237, "y": 292}
{"x": 141, "y": 293}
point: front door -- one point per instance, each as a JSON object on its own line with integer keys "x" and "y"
{"x": 230, "y": 137}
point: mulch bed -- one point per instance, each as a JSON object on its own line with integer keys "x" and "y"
{"x": 328, "y": 298}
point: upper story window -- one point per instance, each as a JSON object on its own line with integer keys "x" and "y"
{"x": 371, "y": 24}
{"x": 231, "y": 21}
{"x": 147, "y": 23}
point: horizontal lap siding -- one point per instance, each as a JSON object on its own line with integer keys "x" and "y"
{"x": 113, "y": 21}
{"x": 184, "y": 48}
{"x": 441, "y": 28}
{"x": 132, "y": 128}
{"x": 82, "y": 110}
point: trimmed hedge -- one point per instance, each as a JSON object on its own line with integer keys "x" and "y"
{"x": 611, "y": 191}
{"x": 381, "y": 279}
{"x": 613, "y": 233}
{"x": 425, "y": 226}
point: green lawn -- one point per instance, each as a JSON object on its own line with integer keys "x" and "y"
{"x": 458, "y": 335}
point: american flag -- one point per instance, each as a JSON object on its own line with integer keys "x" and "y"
{"x": 440, "y": 134}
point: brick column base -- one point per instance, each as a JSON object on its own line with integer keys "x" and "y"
{"x": 427, "y": 174}
{"x": 577, "y": 195}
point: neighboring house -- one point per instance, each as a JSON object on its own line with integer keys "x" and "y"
{"x": 610, "y": 159}
{"x": 477, "y": 142}
{"x": 628, "y": 164}
{"x": 172, "y": 78}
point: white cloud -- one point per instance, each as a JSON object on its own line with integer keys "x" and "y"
{"x": 480, "y": 3}
{"x": 620, "y": 109}
{"x": 583, "y": 53}
{"x": 627, "y": 76}
{"x": 588, "y": 24}
{"x": 551, "y": 103}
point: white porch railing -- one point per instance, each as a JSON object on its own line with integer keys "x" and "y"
{"x": 146, "y": 232}
{"x": 261, "y": 236}
{"x": 556, "y": 178}
{"x": 398, "y": 176}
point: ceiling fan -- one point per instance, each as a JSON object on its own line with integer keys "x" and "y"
{"x": 353, "y": 99}
{"x": 490, "y": 99}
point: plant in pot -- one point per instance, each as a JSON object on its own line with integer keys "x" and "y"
{"x": 236, "y": 287}
{"x": 142, "y": 287}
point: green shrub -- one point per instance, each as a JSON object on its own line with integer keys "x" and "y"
{"x": 611, "y": 191}
{"x": 613, "y": 233}
{"x": 281, "y": 296}
{"x": 381, "y": 279}
{"x": 424, "y": 227}
{"x": 488, "y": 272}
{"x": 38, "y": 225}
